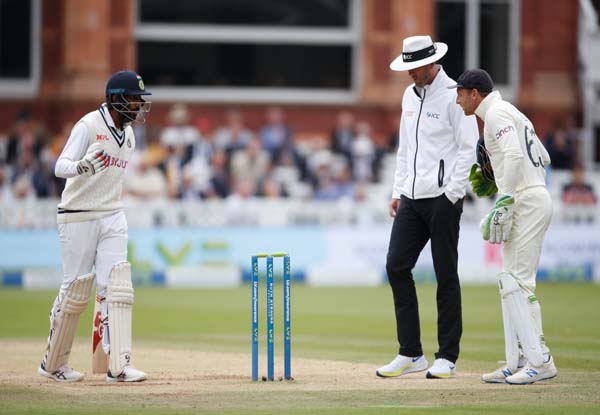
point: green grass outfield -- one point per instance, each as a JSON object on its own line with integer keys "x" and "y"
{"x": 354, "y": 326}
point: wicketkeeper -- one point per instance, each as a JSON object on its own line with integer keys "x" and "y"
{"x": 512, "y": 162}
{"x": 93, "y": 231}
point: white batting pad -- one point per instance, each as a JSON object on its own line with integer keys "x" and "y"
{"x": 64, "y": 318}
{"x": 119, "y": 297}
{"x": 515, "y": 303}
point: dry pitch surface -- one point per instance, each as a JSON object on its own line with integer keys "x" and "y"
{"x": 189, "y": 381}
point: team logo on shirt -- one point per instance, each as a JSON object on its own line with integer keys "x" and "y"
{"x": 116, "y": 162}
{"x": 503, "y": 131}
{"x": 433, "y": 115}
{"x": 101, "y": 137}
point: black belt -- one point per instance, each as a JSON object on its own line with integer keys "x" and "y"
{"x": 61, "y": 211}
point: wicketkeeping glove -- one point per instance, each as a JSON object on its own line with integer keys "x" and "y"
{"x": 480, "y": 184}
{"x": 93, "y": 162}
{"x": 496, "y": 226}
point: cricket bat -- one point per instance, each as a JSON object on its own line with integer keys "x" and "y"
{"x": 99, "y": 358}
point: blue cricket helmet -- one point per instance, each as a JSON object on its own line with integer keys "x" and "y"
{"x": 125, "y": 83}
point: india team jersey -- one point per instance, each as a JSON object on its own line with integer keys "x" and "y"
{"x": 512, "y": 143}
{"x": 99, "y": 195}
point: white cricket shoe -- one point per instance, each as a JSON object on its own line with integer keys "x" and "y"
{"x": 402, "y": 365}
{"x": 497, "y": 376}
{"x": 530, "y": 374}
{"x": 129, "y": 374}
{"x": 63, "y": 374}
{"x": 441, "y": 369}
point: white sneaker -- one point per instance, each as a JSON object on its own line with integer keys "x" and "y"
{"x": 441, "y": 369}
{"x": 63, "y": 374}
{"x": 129, "y": 374}
{"x": 531, "y": 374}
{"x": 402, "y": 365}
{"x": 497, "y": 376}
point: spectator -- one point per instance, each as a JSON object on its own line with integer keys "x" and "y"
{"x": 342, "y": 136}
{"x": 218, "y": 184}
{"x": 253, "y": 162}
{"x": 234, "y": 135}
{"x": 275, "y": 135}
{"x": 578, "y": 198}
{"x": 561, "y": 148}
{"x": 6, "y": 196}
{"x": 180, "y": 136}
{"x": 363, "y": 153}
{"x": 23, "y": 139}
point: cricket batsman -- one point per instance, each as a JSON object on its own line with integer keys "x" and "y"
{"x": 512, "y": 161}
{"x": 93, "y": 231}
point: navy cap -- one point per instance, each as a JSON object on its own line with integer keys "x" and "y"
{"x": 126, "y": 83}
{"x": 475, "y": 79}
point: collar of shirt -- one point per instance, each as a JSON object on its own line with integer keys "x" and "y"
{"x": 438, "y": 83}
{"x": 108, "y": 118}
{"x": 487, "y": 103}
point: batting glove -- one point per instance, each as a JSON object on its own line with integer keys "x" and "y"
{"x": 496, "y": 226}
{"x": 93, "y": 162}
{"x": 480, "y": 184}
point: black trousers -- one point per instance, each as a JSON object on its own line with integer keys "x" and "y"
{"x": 416, "y": 222}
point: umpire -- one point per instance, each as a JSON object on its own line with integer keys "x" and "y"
{"x": 435, "y": 154}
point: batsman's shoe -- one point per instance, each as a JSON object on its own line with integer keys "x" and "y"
{"x": 530, "y": 374}
{"x": 63, "y": 374}
{"x": 497, "y": 376}
{"x": 441, "y": 369}
{"x": 402, "y": 365}
{"x": 129, "y": 374}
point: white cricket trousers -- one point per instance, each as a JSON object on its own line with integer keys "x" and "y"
{"x": 531, "y": 217}
{"x": 99, "y": 243}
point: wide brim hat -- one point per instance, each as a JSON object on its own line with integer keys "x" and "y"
{"x": 418, "y": 51}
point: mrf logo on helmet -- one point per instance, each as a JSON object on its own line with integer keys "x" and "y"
{"x": 123, "y": 84}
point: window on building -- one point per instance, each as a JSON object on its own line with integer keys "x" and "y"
{"x": 19, "y": 47}
{"x": 263, "y": 50}
{"x": 481, "y": 33}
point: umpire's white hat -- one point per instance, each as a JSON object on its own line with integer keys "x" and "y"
{"x": 418, "y": 51}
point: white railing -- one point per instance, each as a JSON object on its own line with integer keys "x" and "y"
{"x": 41, "y": 214}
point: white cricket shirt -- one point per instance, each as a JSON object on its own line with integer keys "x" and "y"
{"x": 517, "y": 155}
{"x": 86, "y": 198}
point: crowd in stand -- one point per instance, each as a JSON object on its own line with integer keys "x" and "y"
{"x": 190, "y": 160}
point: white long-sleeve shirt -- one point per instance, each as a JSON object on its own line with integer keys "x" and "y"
{"x": 437, "y": 143}
{"x": 99, "y": 195}
{"x": 517, "y": 155}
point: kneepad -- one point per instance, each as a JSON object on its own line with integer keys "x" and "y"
{"x": 119, "y": 298}
{"x": 518, "y": 323}
{"x": 64, "y": 318}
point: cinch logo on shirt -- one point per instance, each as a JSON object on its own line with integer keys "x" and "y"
{"x": 503, "y": 131}
{"x": 433, "y": 115}
{"x": 409, "y": 113}
{"x": 101, "y": 137}
{"x": 116, "y": 162}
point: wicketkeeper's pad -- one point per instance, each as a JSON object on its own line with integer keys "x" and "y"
{"x": 64, "y": 318}
{"x": 518, "y": 324}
